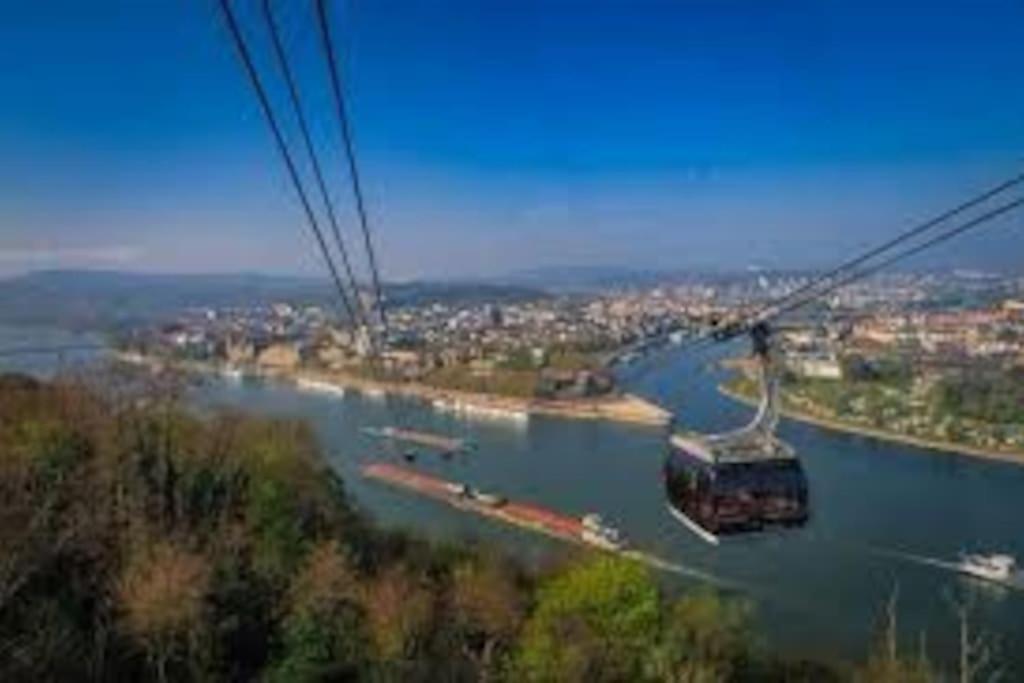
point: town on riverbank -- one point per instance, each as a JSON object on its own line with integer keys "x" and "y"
{"x": 616, "y": 407}
{"x": 937, "y": 359}
{"x": 945, "y": 380}
{"x": 849, "y": 427}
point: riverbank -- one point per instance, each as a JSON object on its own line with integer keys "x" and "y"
{"x": 884, "y": 434}
{"x": 623, "y": 407}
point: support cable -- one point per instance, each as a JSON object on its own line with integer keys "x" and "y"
{"x": 282, "y": 148}
{"x": 905, "y": 236}
{"x": 296, "y": 102}
{"x": 812, "y": 290}
{"x": 907, "y": 253}
{"x": 353, "y": 169}
{"x": 341, "y": 110}
{"x": 790, "y": 302}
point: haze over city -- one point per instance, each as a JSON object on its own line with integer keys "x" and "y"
{"x": 497, "y": 137}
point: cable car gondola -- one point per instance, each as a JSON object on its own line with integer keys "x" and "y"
{"x": 741, "y": 481}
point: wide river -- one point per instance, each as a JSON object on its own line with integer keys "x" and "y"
{"x": 885, "y": 516}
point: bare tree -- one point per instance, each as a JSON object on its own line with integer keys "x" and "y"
{"x": 978, "y": 661}
{"x": 161, "y": 594}
{"x": 488, "y": 609}
{"x": 886, "y": 664}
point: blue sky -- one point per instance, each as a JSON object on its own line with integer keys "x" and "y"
{"x": 497, "y": 136}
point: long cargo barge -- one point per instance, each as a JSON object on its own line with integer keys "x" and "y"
{"x": 587, "y": 530}
{"x": 443, "y": 444}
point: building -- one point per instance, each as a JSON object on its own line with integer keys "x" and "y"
{"x": 814, "y": 365}
{"x": 280, "y": 355}
{"x": 238, "y": 352}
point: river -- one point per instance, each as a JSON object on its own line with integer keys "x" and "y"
{"x": 881, "y": 512}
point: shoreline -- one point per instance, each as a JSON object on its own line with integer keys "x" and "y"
{"x": 951, "y": 448}
{"x": 624, "y": 407}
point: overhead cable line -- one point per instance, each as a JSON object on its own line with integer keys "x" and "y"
{"x": 736, "y": 328}
{"x": 905, "y": 236}
{"x": 282, "y": 147}
{"x": 827, "y": 282}
{"x": 907, "y": 253}
{"x": 353, "y": 170}
{"x": 813, "y": 290}
{"x": 296, "y": 102}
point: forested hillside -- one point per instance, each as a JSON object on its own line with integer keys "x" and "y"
{"x": 144, "y": 542}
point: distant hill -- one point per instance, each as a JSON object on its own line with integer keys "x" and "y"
{"x": 108, "y": 299}
{"x": 589, "y": 278}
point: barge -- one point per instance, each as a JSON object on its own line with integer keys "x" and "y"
{"x": 587, "y": 530}
{"x": 443, "y": 444}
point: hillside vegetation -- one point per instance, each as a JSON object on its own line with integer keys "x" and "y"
{"x": 144, "y": 542}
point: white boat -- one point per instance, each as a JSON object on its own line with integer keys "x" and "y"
{"x": 597, "y": 533}
{"x": 999, "y": 568}
{"x": 478, "y": 411}
{"x": 496, "y": 413}
{"x": 319, "y": 386}
{"x": 489, "y": 499}
{"x": 444, "y": 406}
{"x": 231, "y": 372}
{"x": 457, "y": 488}
{"x": 374, "y": 393}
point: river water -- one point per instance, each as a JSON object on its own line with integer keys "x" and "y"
{"x": 882, "y": 514}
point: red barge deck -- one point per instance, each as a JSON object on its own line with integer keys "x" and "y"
{"x": 518, "y": 513}
{"x": 443, "y": 444}
{"x": 523, "y": 515}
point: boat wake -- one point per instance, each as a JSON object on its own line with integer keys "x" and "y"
{"x": 1016, "y": 582}
{"x": 681, "y": 570}
{"x": 917, "y": 559}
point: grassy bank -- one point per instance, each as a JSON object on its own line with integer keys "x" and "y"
{"x": 749, "y": 398}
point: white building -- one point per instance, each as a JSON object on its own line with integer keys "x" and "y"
{"x": 815, "y": 365}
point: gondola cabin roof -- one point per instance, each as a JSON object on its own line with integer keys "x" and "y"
{"x": 750, "y": 447}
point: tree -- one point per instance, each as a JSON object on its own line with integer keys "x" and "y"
{"x": 704, "y": 639}
{"x": 399, "y": 608}
{"x": 978, "y": 653}
{"x": 488, "y": 609}
{"x": 592, "y": 623}
{"x": 161, "y": 594}
{"x": 886, "y": 664}
{"x": 324, "y": 632}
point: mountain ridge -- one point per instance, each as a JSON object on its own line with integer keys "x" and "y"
{"x": 105, "y": 299}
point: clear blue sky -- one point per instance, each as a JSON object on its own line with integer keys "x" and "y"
{"x": 503, "y": 135}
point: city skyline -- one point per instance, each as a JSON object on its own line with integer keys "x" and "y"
{"x": 505, "y": 137}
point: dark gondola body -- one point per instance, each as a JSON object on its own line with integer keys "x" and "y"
{"x": 725, "y": 494}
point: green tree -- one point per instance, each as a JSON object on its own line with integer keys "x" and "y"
{"x": 594, "y": 622}
{"x": 704, "y": 639}
{"x": 324, "y": 634}
{"x": 399, "y": 606}
{"x": 276, "y": 526}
